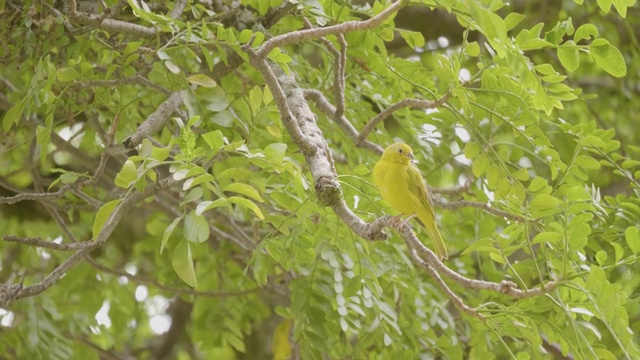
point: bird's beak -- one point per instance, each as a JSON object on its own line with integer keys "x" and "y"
{"x": 410, "y": 155}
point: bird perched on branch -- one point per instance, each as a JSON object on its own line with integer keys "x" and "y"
{"x": 402, "y": 187}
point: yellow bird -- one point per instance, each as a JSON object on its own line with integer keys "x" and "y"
{"x": 402, "y": 187}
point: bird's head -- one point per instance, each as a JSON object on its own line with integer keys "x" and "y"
{"x": 399, "y": 153}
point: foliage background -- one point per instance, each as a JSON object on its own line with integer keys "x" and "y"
{"x": 205, "y": 239}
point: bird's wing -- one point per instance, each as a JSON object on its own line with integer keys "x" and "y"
{"x": 418, "y": 187}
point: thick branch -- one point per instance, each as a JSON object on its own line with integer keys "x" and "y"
{"x": 155, "y": 122}
{"x": 110, "y": 25}
{"x": 178, "y": 8}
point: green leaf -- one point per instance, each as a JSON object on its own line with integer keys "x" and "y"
{"x": 14, "y": 114}
{"x": 172, "y": 67}
{"x": 361, "y": 170}
{"x": 245, "y": 36}
{"x": 544, "y": 205}
{"x": 605, "y": 5}
{"x": 267, "y": 96}
{"x": 585, "y": 31}
{"x": 413, "y": 38}
{"x": 224, "y": 118}
{"x": 204, "y": 178}
{"x": 513, "y": 19}
{"x": 131, "y": 47}
{"x": 601, "y": 257}
{"x": 246, "y": 203}
{"x": 102, "y": 216}
{"x": 194, "y": 194}
{"x": 594, "y": 141}
{"x": 482, "y": 245}
{"x": 234, "y": 341}
{"x": 480, "y": 165}
{"x": 608, "y": 57}
{"x": 214, "y": 139}
{"x": 182, "y": 262}
{"x": 66, "y": 74}
{"x": 632, "y": 235}
{"x": 491, "y": 25}
{"x": 208, "y": 205}
{"x": 202, "y": 80}
{"x": 195, "y": 227}
{"x": 497, "y": 258}
{"x": 274, "y": 153}
{"x": 69, "y": 177}
{"x": 255, "y": 99}
{"x": 244, "y": 189}
{"x": 587, "y": 162}
{"x": 471, "y": 150}
{"x": 568, "y": 55}
{"x": 547, "y": 237}
{"x": 168, "y": 231}
{"x": 621, "y": 6}
{"x": 472, "y": 49}
{"x": 214, "y": 99}
{"x": 127, "y": 175}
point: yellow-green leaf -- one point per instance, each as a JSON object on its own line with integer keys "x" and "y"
{"x": 182, "y": 262}
{"x": 244, "y": 189}
{"x": 246, "y": 203}
{"x": 102, "y": 216}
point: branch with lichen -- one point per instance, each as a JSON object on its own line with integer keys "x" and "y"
{"x": 302, "y": 126}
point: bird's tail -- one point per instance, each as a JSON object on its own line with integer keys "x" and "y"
{"x": 434, "y": 234}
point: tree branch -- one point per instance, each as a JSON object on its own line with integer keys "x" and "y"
{"x": 479, "y": 205}
{"x": 107, "y": 24}
{"x": 171, "y": 289}
{"x": 418, "y": 103}
{"x": 329, "y": 110}
{"x": 47, "y": 244}
{"x": 308, "y": 34}
{"x": 455, "y": 299}
{"x": 9, "y": 294}
{"x": 505, "y": 287}
{"x": 155, "y": 122}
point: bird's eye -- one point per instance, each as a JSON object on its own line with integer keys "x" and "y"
{"x": 400, "y": 151}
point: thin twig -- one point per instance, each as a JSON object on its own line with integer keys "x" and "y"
{"x": 276, "y": 13}
{"x": 339, "y": 81}
{"x": 172, "y": 289}
{"x": 329, "y": 110}
{"x": 479, "y": 205}
{"x": 453, "y": 190}
{"x": 417, "y": 103}
{"x": 450, "y": 294}
{"x": 34, "y": 196}
{"x": 47, "y": 244}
